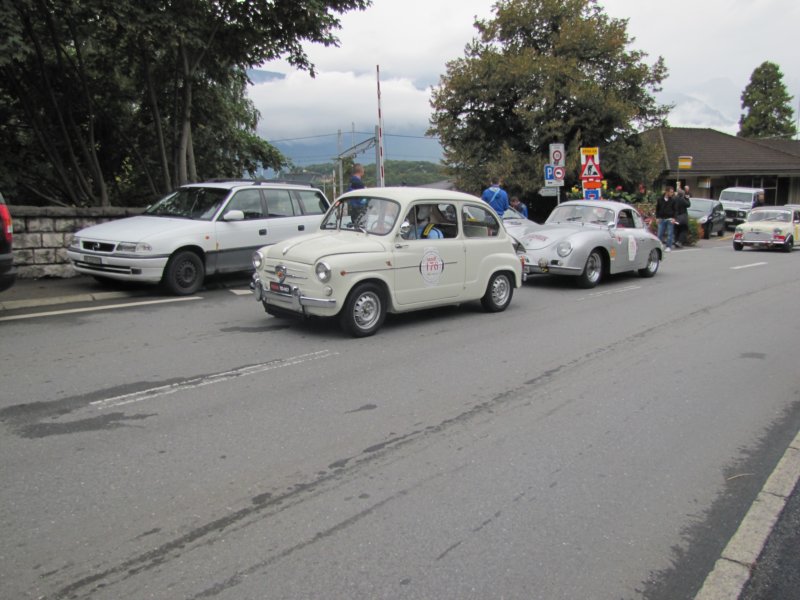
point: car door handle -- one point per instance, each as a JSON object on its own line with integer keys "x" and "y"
{"x": 401, "y": 245}
{"x": 262, "y": 232}
{"x": 301, "y": 228}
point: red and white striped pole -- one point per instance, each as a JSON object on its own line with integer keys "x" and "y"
{"x": 379, "y": 153}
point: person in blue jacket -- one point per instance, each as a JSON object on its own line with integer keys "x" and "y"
{"x": 496, "y": 197}
{"x": 519, "y": 206}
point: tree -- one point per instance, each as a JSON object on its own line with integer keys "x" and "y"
{"x": 767, "y": 105}
{"x": 545, "y": 71}
{"x": 109, "y": 100}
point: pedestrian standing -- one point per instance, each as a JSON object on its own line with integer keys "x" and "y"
{"x": 496, "y": 197}
{"x": 518, "y": 206}
{"x": 356, "y": 179}
{"x": 682, "y": 204}
{"x": 665, "y": 213}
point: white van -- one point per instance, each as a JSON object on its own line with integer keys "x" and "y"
{"x": 737, "y": 202}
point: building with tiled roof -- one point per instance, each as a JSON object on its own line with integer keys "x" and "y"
{"x": 719, "y": 160}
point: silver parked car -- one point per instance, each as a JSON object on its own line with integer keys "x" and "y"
{"x": 588, "y": 239}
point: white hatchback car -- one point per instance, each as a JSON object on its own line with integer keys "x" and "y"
{"x": 382, "y": 250}
{"x": 200, "y": 229}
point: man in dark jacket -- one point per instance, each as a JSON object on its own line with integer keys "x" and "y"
{"x": 682, "y": 204}
{"x": 665, "y": 213}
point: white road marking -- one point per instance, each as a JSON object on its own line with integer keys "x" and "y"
{"x": 245, "y": 292}
{"x": 628, "y": 288}
{"x": 758, "y": 264}
{"x": 94, "y": 308}
{"x": 197, "y": 382}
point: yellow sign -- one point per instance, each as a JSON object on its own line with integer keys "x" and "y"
{"x": 684, "y": 162}
{"x": 594, "y": 153}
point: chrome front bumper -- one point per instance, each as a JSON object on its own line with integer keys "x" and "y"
{"x": 293, "y": 300}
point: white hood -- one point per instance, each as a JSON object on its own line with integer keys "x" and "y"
{"x": 310, "y": 248}
{"x": 141, "y": 229}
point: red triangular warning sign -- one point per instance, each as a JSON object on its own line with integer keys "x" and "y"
{"x": 591, "y": 170}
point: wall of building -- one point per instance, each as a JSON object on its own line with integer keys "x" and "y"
{"x": 42, "y": 234}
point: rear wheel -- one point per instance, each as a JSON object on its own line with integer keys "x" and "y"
{"x": 738, "y": 245}
{"x": 365, "y": 310}
{"x": 184, "y": 274}
{"x": 592, "y": 271}
{"x": 498, "y": 293}
{"x": 788, "y": 245}
{"x": 653, "y": 261}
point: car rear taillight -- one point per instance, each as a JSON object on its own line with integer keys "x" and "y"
{"x": 5, "y": 219}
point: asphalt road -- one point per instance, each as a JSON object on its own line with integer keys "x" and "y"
{"x": 583, "y": 444}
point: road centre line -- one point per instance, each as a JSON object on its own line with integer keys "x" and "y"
{"x": 202, "y": 381}
{"x": 628, "y": 288}
{"x": 758, "y": 264}
{"x": 94, "y": 308}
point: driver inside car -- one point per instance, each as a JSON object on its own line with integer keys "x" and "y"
{"x": 422, "y": 225}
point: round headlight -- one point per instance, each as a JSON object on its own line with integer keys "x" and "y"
{"x": 563, "y": 249}
{"x": 323, "y": 271}
{"x": 258, "y": 259}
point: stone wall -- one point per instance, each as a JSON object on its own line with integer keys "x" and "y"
{"x": 42, "y": 234}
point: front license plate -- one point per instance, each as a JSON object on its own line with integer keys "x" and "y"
{"x": 281, "y": 288}
{"x": 94, "y": 260}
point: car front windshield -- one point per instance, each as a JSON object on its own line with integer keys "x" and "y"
{"x": 362, "y": 213}
{"x": 579, "y": 213}
{"x": 780, "y": 216}
{"x": 510, "y": 213}
{"x": 700, "y": 206}
{"x": 189, "y": 203}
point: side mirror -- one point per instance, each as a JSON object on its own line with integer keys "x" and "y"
{"x": 233, "y": 215}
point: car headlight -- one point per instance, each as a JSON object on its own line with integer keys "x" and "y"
{"x": 323, "y": 271}
{"x": 703, "y": 220}
{"x": 134, "y": 247}
{"x": 258, "y": 259}
{"x": 75, "y": 242}
{"x": 563, "y": 249}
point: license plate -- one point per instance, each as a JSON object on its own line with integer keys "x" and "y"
{"x": 281, "y": 288}
{"x": 94, "y": 260}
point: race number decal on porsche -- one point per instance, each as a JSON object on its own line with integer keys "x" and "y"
{"x": 632, "y": 248}
{"x": 431, "y": 266}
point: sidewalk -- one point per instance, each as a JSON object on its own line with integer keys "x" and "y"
{"x": 49, "y": 291}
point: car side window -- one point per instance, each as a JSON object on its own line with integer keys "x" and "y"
{"x": 249, "y": 202}
{"x": 479, "y": 221}
{"x": 311, "y": 202}
{"x": 625, "y": 219}
{"x": 279, "y": 203}
{"x": 638, "y": 222}
{"x": 431, "y": 221}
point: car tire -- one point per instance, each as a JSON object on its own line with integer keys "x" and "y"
{"x": 707, "y": 232}
{"x": 184, "y": 274}
{"x": 738, "y": 245}
{"x": 721, "y": 232}
{"x": 788, "y": 245}
{"x": 653, "y": 261}
{"x": 364, "y": 311}
{"x": 498, "y": 293}
{"x": 592, "y": 271}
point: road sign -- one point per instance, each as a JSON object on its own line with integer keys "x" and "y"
{"x": 548, "y": 191}
{"x": 592, "y": 184}
{"x": 591, "y": 194}
{"x": 590, "y": 170}
{"x": 557, "y": 155}
{"x": 549, "y": 172}
{"x": 550, "y": 179}
{"x": 684, "y": 162}
{"x": 594, "y": 153}
{"x": 559, "y": 172}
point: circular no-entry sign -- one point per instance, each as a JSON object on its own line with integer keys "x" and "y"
{"x": 558, "y": 173}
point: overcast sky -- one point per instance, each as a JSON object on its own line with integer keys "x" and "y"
{"x": 710, "y": 48}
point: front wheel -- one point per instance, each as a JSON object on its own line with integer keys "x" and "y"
{"x": 592, "y": 271}
{"x": 653, "y": 261}
{"x": 788, "y": 245}
{"x": 364, "y": 311}
{"x": 738, "y": 245}
{"x": 498, "y": 293}
{"x": 184, "y": 274}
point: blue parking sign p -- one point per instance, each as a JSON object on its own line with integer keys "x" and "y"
{"x": 549, "y": 172}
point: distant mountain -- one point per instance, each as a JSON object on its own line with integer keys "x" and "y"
{"x": 714, "y": 103}
{"x": 261, "y": 76}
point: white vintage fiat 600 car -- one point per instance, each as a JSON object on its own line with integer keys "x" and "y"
{"x": 382, "y": 250}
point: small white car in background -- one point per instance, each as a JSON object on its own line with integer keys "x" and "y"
{"x": 200, "y": 229}
{"x": 382, "y": 250}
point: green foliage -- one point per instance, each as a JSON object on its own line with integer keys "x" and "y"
{"x": 767, "y": 105}
{"x": 117, "y": 102}
{"x": 540, "y": 72}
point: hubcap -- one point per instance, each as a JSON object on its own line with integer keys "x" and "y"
{"x": 500, "y": 291}
{"x": 366, "y": 311}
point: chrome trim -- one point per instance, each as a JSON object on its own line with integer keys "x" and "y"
{"x": 296, "y": 300}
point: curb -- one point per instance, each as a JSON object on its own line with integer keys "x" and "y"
{"x": 733, "y": 569}
{"x": 38, "y": 302}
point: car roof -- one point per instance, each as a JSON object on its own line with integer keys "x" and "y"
{"x": 410, "y": 194}
{"x": 743, "y": 189}
{"x": 612, "y": 204}
{"x": 229, "y": 184}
